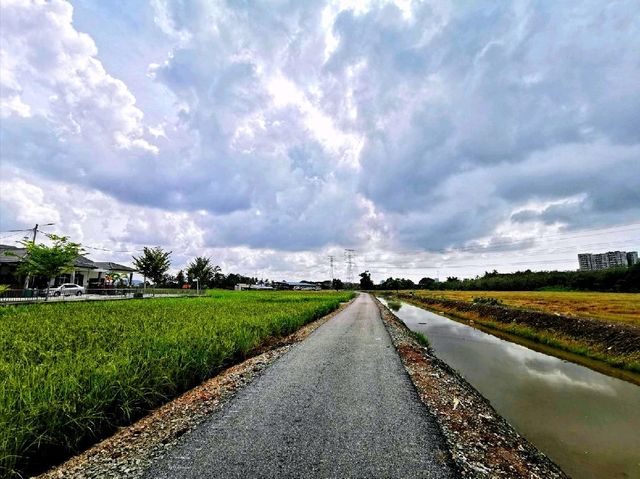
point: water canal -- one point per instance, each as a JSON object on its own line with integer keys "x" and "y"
{"x": 586, "y": 421}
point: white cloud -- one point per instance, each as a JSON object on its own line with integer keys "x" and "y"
{"x": 52, "y": 71}
{"x": 13, "y": 104}
{"x": 25, "y": 204}
{"x": 302, "y": 127}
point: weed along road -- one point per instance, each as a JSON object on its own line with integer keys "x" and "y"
{"x": 339, "y": 404}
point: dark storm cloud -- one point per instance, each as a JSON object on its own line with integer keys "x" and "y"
{"x": 490, "y": 94}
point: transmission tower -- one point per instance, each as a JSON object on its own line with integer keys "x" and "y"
{"x": 331, "y": 261}
{"x": 350, "y": 262}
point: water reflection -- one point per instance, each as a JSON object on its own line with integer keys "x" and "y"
{"x": 589, "y": 423}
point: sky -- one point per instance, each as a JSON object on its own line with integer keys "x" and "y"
{"x": 434, "y": 138}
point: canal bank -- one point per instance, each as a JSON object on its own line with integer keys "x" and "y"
{"x": 585, "y": 421}
{"x": 482, "y": 443}
{"x": 613, "y": 343}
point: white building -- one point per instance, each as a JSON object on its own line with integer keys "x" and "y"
{"x": 245, "y": 287}
{"x": 610, "y": 259}
{"x": 85, "y": 273}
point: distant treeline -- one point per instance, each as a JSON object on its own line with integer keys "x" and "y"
{"x": 608, "y": 280}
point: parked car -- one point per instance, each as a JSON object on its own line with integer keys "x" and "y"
{"x": 66, "y": 289}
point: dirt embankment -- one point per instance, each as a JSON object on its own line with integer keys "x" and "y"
{"x": 481, "y": 442}
{"x": 610, "y": 338}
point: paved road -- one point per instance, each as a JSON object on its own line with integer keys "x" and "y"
{"x": 88, "y": 297}
{"x": 339, "y": 404}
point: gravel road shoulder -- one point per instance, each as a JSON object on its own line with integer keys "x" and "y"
{"x": 338, "y": 405}
{"x": 130, "y": 451}
{"x": 482, "y": 443}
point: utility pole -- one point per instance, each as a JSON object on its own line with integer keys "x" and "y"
{"x": 35, "y": 232}
{"x": 349, "y": 258}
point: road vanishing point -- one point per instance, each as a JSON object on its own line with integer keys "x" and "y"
{"x": 338, "y": 404}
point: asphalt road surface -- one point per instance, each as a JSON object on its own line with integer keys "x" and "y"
{"x": 339, "y": 404}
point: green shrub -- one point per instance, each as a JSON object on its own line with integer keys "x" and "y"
{"x": 421, "y": 338}
{"x": 394, "y": 305}
{"x": 488, "y": 301}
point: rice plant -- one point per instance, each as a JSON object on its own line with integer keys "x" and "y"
{"x": 70, "y": 373}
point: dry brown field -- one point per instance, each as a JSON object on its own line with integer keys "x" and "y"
{"x": 624, "y": 307}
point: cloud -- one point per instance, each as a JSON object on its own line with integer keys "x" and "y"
{"x": 122, "y": 232}
{"x": 301, "y": 126}
{"x": 54, "y": 68}
{"x": 462, "y": 111}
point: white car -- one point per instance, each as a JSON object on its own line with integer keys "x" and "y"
{"x": 67, "y": 289}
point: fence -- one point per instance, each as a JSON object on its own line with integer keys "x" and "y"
{"x": 12, "y": 296}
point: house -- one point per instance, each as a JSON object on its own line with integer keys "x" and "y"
{"x": 244, "y": 287}
{"x": 296, "y": 285}
{"x": 85, "y": 273}
{"x": 100, "y": 275}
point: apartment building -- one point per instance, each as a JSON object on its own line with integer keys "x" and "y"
{"x": 610, "y": 259}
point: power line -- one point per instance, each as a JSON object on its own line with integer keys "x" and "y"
{"x": 97, "y": 248}
{"x": 534, "y": 251}
{"x": 35, "y": 232}
{"x": 14, "y": 234}
{"x": 374, "y": 263}
{"x": 484, "y": 265}
{"x": 16, "y": 231}
{"x": 493, "y": 246}
{"x": 415, "y": 265}
{"x": 112, "y": 250}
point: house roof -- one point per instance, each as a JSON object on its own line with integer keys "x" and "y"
{"x": 11, "y": 258}
{"x": 296, "y": 283}
{"x": 82, "y": 262}
{"x": 110, "y": 266}
{"x": 16, "y": 255}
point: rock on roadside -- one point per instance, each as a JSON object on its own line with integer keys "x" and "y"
{"x": 482, "y": 443}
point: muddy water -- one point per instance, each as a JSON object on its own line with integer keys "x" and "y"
{"x": 587, "y": 422}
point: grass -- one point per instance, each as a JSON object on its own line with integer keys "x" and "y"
{"x": 73, "y": 372}
{"x": 421, "y": 338}
{"x": 623, "y": 307}
{"x": 566, "y": 343}
{"x": 394, "y": 305}
{"x": 597, "y": 351}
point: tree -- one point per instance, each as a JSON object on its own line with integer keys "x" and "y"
{"x": 153, "y": 263}
{"x": 202, "y": 270}
{"x": 427, "y": 283}
{"x": 169, "y": 281}
{"x": 49, "y": 261}
{"x": 365, "y": 280}
{"x": 337, "y": 284}
{"x": 230, "y": 280}
{"x": 390, "y": 283}
{"x": 180, "y": 279}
